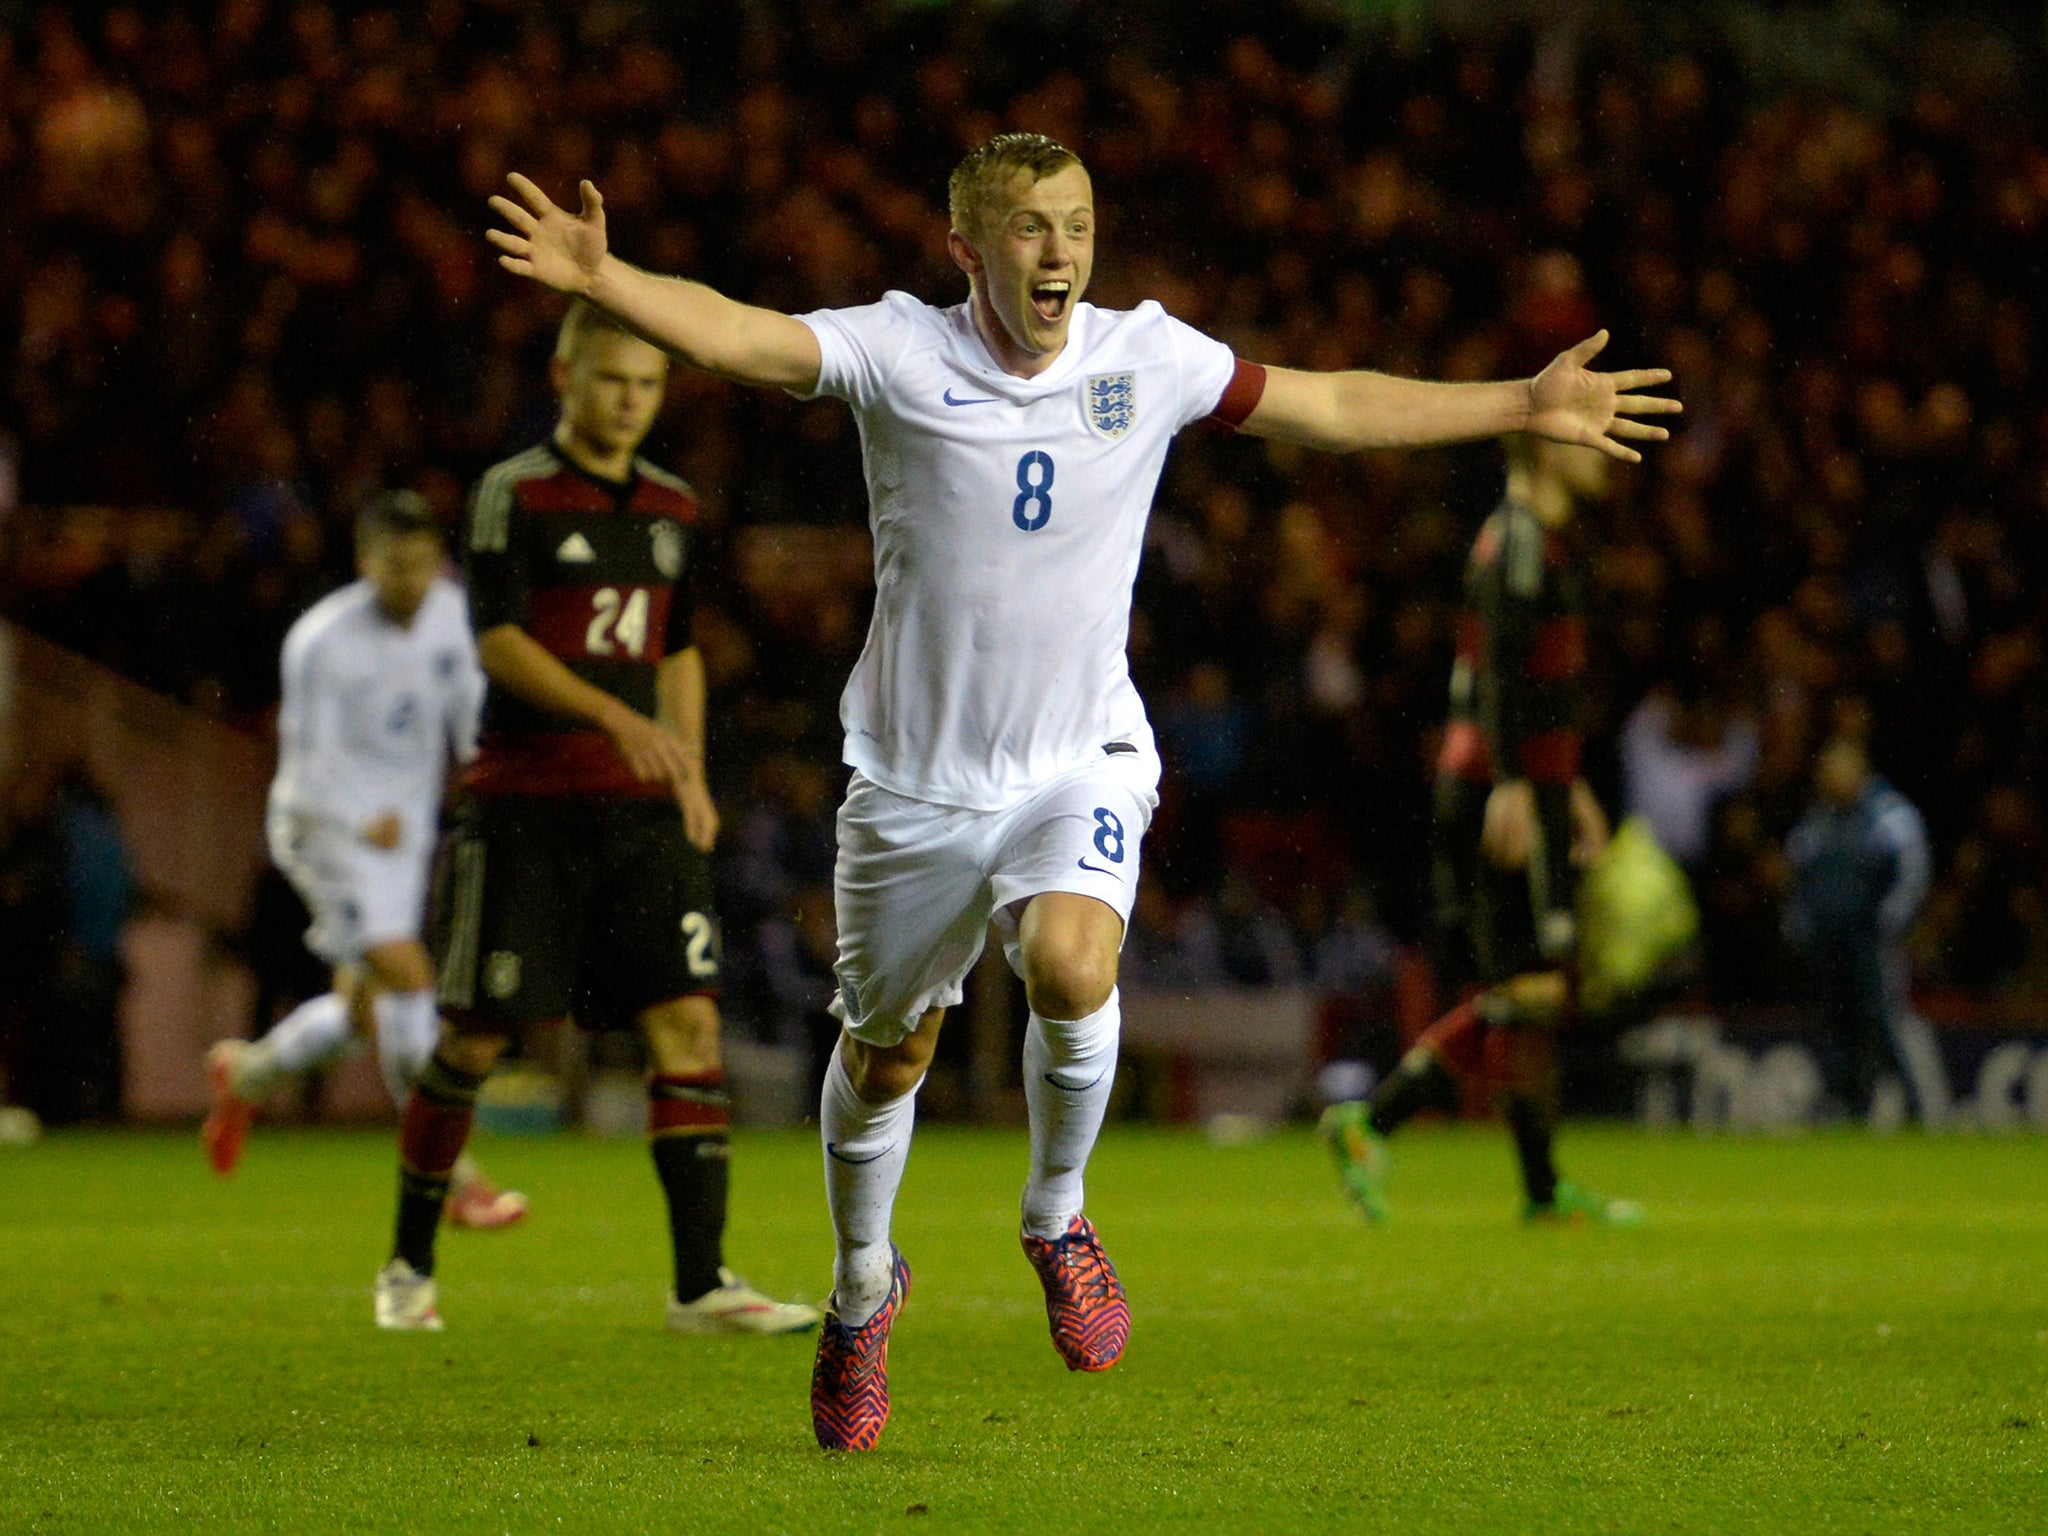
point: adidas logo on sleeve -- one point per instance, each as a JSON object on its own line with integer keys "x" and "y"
{"x": 575, "y": 550}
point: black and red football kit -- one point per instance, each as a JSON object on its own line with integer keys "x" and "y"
{"x": 1516, "y": 699}
{"x": 570, "y": 888}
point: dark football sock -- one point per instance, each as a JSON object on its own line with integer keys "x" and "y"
{"x": 1533, "y": 1125}
{"x": 1420, "y": 1082}
{"x": 431, "y": 1135}
{"x": 688, "y": 1125}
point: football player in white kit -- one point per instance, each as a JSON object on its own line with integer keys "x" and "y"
{"x": 1003, "y": 767}
{"x": 381, "y": 686}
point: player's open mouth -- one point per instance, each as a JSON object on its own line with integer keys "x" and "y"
{"x": 1050, "y": 298}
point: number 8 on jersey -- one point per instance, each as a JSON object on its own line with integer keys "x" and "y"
{"x": 1032, "y": 509}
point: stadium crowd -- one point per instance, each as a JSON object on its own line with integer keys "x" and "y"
{"x": 244, "y": 284}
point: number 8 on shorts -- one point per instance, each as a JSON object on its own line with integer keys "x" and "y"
{"x": 1109, "y": 835}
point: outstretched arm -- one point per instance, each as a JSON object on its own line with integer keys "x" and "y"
{"x": 568, "y": 253}
{"x": 1344, "y": 412}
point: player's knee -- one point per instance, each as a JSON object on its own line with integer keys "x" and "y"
{"x": 401, "y": 967}
{"x": 1068, "y": 950}
{"x": 1069, "y": 978}
{"x": 885, "y": 1078}
{"x": 474, "y": 1054}
{"x": 682, "y": 1036}
{"x": 881, "y": 1074}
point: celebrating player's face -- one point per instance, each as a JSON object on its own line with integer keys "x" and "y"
{"x": 401, "y": 567}
{"x": 612, "y": 391}
{"x": 1034, "y": 258}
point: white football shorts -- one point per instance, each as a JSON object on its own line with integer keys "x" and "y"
{"x": 361, "y": 897}
{"x": 916, "y": 883}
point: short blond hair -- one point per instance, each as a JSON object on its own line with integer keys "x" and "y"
{"x": 584, "y": 321}
{"x": 981, "y": 179}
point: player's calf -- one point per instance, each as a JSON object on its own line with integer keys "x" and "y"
{"x": 689, "y": 1119}
{"x": 431, "y": 1136}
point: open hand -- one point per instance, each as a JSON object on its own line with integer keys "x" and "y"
{"x": 653, "y": 755}
{"x": 549, "y": 244}
{"x": 1569, "y": 403}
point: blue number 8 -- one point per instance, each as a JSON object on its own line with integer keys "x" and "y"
{"x": 1109, "y": 835}
{"x": 1031, "y": 490}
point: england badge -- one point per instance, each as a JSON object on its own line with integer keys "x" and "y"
{"x": 1112, "y": 403}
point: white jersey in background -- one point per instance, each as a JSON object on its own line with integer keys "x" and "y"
{"x": 370, "y": 715}
{"x": 372, "y": 711}
{"x": 1008, "y": 516}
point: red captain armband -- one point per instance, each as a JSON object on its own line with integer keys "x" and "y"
{"x": 1241, "y": 394}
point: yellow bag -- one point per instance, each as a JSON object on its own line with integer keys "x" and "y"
{"x": 1636, "y": 913}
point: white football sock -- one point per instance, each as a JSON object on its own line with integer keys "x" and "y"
{"x": 866, "y": 1146}
{"x": 408, "y": 1029}
{"x": 312, "y": 1035}
{"x": 1069, "y": 1069}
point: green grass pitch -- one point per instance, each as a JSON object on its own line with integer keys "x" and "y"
{"x": 1833, "y": 1334}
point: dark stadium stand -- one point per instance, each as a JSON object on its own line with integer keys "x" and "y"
{"x": 242, "y": 282}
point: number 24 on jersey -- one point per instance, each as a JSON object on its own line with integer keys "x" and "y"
{"x": 617, "y": 623}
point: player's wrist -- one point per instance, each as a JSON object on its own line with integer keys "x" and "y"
{"x": 602, "y": 281}
{"x": 1521, "y": 404}
{"x": 616, "y": 717}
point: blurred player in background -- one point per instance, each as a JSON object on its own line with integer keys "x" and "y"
{"x": 1004, "y": 767}
{"x": 579, "y": 882}
{"x": 1514, "y": 824}
{"x": 1860, "y": 869}
{"x": 380, "y": 688}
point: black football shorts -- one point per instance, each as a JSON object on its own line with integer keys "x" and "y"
{"x": 1488, "y": 918}
{"x": 551, "y": 908}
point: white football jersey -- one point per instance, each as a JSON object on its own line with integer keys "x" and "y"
{"x": 1008, "y": 518}
{"x": 371, "y": 712}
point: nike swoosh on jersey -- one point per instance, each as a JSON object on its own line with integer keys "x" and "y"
{"x": 981, "y": 400}
{"x": 1097, "y": 869}
{"x": 832, "y": 1150}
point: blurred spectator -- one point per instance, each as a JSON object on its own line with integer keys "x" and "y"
{"x": 1859, "y": 875}
{"x": 1987, "y": 921}
{"x": 775, "y": 879}
{"x": 1169, "y": 946}
{"x": 1356, "y": 954}
{"x": 66, "y": 891}
{"x": 1353, "y": 964}
{"x": 1249, "y": 936}
{"x": 1679, "y": 759}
